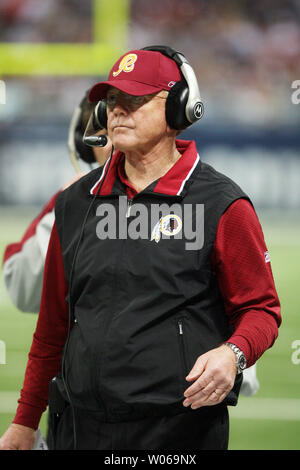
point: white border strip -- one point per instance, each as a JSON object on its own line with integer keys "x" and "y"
{"x": 102, "y": 174}
{"x": 188, "y": 175}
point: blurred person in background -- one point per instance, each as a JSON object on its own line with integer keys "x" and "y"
{"x": 23, "y": 261}
{"x": 243, "y": 299}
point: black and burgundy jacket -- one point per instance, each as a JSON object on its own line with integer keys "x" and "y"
{"x": 146, "y": 301}
{"x": 144, "y": 307}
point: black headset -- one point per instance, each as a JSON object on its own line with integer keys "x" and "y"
{"x": 183, "y": 105}
{"x": 77, "y": 148}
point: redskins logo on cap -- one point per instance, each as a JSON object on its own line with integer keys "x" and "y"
{"x": 126, "y": 64}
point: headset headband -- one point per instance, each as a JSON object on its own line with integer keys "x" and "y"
{"x": 194, "y": 106}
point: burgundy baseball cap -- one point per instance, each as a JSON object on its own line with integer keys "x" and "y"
{"x": 139, "y": 73}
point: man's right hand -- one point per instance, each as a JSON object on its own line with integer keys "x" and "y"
{"x": 18, "y": 437}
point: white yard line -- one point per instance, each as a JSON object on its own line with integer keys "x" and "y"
{"x": 282, "y": 409}
{"x": 9, "y": 402}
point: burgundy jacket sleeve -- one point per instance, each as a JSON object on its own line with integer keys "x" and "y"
{"x": 242, "y": 265}
{"x": 48, "y": 341}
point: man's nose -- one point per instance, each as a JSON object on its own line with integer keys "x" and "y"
{"x": 120, "y": 106}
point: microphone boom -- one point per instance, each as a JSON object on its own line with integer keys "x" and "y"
{"x": 95, "y": 140}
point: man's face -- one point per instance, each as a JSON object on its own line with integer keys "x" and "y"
{"x": 135, "y": 123}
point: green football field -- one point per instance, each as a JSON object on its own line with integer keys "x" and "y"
{"x": 270, "y": 419}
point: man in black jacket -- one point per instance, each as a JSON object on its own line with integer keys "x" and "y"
{"x": 158, "y": 286}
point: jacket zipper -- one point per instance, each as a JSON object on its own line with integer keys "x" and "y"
{"x": 182, "y": 346}
{"x": 129, "y": 204}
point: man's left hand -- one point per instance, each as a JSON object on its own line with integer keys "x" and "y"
{"x": 213, "y": 375}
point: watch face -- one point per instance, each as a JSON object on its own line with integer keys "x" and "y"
{"x": 242, "y": 362}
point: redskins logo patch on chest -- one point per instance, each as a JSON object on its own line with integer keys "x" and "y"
{"x": 169, "y": 225}
{"x": 126, "y": 64}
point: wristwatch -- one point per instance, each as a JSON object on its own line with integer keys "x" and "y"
{"x": 241, "y": 361}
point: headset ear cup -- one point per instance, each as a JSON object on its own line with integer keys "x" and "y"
{"x": 101, "y": 116}
{"x": 84, "y": 151}
{"x": 175, "y": 106}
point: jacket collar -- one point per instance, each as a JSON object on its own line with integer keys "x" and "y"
{"x": 172, "y": 183}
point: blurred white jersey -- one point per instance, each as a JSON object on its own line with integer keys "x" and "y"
{"x": 40, "y": 443}
{"x": 250, "y": 384}
{"x": 23, "y": 262}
